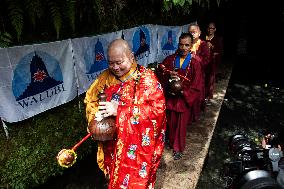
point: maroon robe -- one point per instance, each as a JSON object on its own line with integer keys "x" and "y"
{"x": 216, "y": 52}
{"x": 184, "y": 108}
{"x": 203, "y": 57}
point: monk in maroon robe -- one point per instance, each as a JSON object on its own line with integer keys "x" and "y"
{"x": 215, "y": 44}
{"x": 180, "y": 104}
{"x": 201, "y": 51}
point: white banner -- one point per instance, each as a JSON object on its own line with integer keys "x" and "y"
{"x": 35, "y": 78}
{"x": 167, "y": 41}
{"x": 91, "y": 57}
{"x": 143, "y": 41}
{"x": 184, "y": 28}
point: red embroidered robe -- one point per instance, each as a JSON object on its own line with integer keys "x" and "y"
{"x": 132, "y": 158}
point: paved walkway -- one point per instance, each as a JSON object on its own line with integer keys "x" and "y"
{"x": 184, "y": 173}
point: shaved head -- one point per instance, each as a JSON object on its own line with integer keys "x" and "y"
{"x": 120, "y": 57}
{"x": 119, "y": 45}
{"x": 194, "y": 29}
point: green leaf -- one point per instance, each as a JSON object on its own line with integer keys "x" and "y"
{"x": 181, "y": 2}
{"x": 15, "y": 14}
{"x": 176, "y": 2}
{"x": 167, "y": 5}
{"x": 70, "y": 12}
{"x": 189, "y": 2}
{"x": 56, "y": 17}
{"x": 5, "y": 39}
{"x": 34, "y": 10}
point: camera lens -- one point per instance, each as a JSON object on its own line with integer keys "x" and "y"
{"x": 258, "y": 179}
{"x": 252, "y": 168}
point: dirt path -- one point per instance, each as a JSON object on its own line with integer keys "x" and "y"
{"x": 185, "y": 172}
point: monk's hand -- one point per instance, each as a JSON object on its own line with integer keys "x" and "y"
{"x": 93, "y": 123}
{"x": 99, "y": 116}
{"x": 174, "y": 75}
{"x": 108, "y": 108}
{"x": 210, "y": 45}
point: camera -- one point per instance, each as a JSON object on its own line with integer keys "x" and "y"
{"x": 252, "y": 166}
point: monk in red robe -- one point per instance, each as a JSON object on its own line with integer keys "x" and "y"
{"x": 215, "y": 44}
{"x": 136, "y": 101}
{"x": 201, "y": 51}
{"x": 185, "y": 67}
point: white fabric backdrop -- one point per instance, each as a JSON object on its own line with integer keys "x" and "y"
{"x": 35, "y": 78}
{"x": 90, "y": 54}
{"x": 25, "y": 93}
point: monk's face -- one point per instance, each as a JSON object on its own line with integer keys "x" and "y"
{"x": 195, "y": 31}
{"x": 211, "y": 29}
{"x": 184, "y": 46}
{"x": 120, "y": 61}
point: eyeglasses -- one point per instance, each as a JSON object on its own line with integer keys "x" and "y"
{"x": 211, "y": 28}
